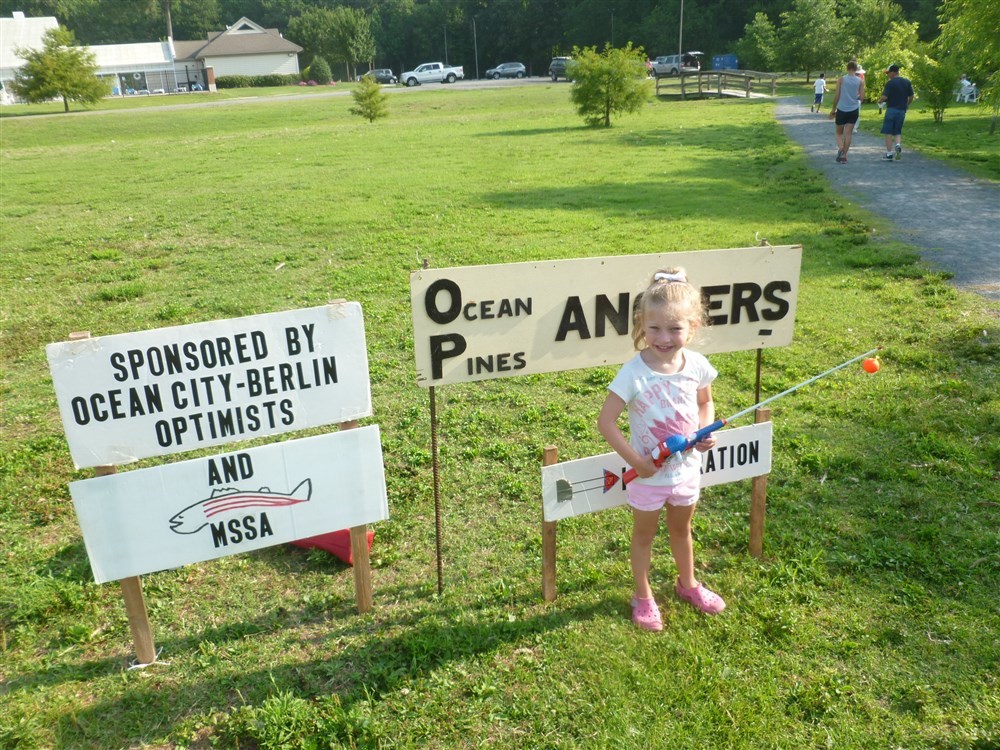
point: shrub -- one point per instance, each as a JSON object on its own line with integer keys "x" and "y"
{"x": 246, "y": 82}
{"x": 370, "y": 99}
{"x": 234, "y": 82}
{"x": 608, "y": 83}
{"x": 936, "y": 82}
{"x": 319, "y": 71}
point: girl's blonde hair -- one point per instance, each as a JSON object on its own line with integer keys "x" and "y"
{"x": 668, "y": 287}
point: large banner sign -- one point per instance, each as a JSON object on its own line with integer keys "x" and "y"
{"x": 595, "y": 483}
{"x": 152, "y": 519}
{"x": 169, "y": 390}
{"x": 483, "y": 322}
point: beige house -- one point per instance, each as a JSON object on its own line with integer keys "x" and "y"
{"x": 245, "y": 48}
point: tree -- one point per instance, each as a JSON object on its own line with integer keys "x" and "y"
{"x": 758, "y": 49}
{"x": 370, "y": 100}
{"x": 59, "y": 70}
{"x": 936, "y": 82}
{"x": 352, "y": 38}
{"x": 608, "y": 83}
{"x": 812, "y": 36}
{"x": 968, "y": 31}
{"x": 315, "y": 31}
{"x": 868, "y": 21}
{"x": 897, "y": 47}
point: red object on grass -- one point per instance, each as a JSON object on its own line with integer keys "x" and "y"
{"x": 337, "y": 543}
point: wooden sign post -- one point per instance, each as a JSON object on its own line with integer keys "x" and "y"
{"x": 758, "y": 499}
{"x": 135, "y": 602}
{"x": 551, "y": 457}
{"x": 359, "y": 554}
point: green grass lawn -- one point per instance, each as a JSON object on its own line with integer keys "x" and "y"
{"x": 871, "y": 622}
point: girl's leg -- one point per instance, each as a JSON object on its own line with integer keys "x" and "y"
{"x": 644, "y": 523}
{"x": 679, "y": 526}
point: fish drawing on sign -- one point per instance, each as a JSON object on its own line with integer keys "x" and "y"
{"x": 197, "y": 515}
{"x": 606, "y": 482}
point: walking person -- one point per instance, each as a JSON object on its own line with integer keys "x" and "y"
{"x": 667, "y": 390}
{"x": 819, "y": 88}
{"x": 897, "y": 95}
{"x": 861, "y": 75}
{"x": 846, "y": 105}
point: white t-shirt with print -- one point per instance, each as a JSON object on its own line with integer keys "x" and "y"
{"x": 663, "y": 405}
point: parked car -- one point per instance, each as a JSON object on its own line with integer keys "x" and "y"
{"x": 434, "y": 72}
{"x": 674, "y": 65}
{"x": 557, "y": 68}
{"x": 507, "y": 70}
{"x": 382, "y": 75}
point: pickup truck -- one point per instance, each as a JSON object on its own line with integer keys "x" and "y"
{"x": 433, "y": 72}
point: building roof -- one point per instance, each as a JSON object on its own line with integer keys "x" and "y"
{"x": 242, "y": 38}
{"x": 22, "y": 33}
{"x": 122, "y": 55}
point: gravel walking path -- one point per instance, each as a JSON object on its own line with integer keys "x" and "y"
{"x": 953, "y": 217}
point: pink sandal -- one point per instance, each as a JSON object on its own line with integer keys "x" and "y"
{"x": 702, "y": 598}
{"x": 646, "y": 614}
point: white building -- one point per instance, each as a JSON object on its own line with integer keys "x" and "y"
{"x": 19, "y": 33}
{"x": 245, "y": 48}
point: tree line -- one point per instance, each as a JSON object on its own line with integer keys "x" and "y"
{"x": 474, "y": 33}
{"x": 934, "y": 39}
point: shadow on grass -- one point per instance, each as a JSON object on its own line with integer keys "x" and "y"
{"x": 534, "y": 131}
{"x": 371, "y": 664}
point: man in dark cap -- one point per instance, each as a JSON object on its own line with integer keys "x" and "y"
{"x": 897, "y": 96}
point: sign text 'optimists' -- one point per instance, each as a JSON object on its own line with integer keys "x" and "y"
{"x": 135, "y": 395}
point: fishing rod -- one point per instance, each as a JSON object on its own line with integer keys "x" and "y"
{"x": 678, "y": 443}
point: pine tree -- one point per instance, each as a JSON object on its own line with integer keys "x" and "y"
{"x": 370, "y": 99}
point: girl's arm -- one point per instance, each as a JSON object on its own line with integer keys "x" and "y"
{"x": 836, "y": 98}
{"x": 706, "y": 415}
{"x": 607, "y": 423}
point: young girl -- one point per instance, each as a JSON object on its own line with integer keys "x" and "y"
{"x": 667, "y": 389}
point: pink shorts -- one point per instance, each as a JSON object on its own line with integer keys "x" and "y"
{"x": 653, "y": 496}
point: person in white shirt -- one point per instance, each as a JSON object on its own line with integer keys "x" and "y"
{"x": 819, "y": 88}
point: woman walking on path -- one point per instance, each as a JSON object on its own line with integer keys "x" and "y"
{"x": 846, "y": 106}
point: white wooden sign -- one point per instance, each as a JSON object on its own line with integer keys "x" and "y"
{"x": 152, "y": 393}
{"x": 595, "y": 483}
{"x": 152, "y": 519}
{"x": 484, "y": 322}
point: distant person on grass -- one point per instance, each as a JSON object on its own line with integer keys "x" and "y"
{"x": 667, "y": 389}
{"x": 897, "y": 95}
{"x": 819, "y": 88}
{"x": 846, "y": 105}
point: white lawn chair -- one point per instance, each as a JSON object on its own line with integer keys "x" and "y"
{"x": 967, "y": 94}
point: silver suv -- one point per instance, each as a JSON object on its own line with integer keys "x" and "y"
{"x": 674, "y": 65}
{"x": 507, "y": 70}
